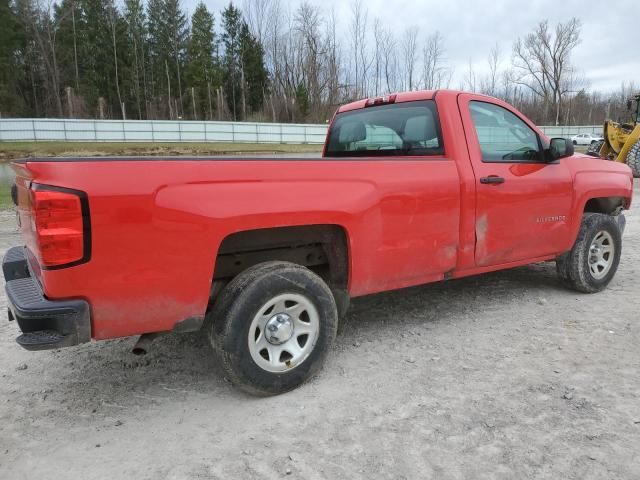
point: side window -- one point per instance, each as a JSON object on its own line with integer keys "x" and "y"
{"x": 503, "y": 137}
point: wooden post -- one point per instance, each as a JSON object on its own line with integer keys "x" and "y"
{"x": 69, "y": 101}
{"x": 209, "y": 95}
{"x": 193, "y": 101}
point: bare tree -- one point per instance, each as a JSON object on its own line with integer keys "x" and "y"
{"x": 377, "y": 56}
{"x": 388, "y": 50}
{"x": 333, "y": 65}
{"x": 256, "y": 14}
{"x": 471, "y": 79}
{"x": 359, "y": 46}
{"x": 272, "y": 41}
{"x": 44, "y": 31}
{"x": 435, "y": 73}
{"x": 543, "y": 58}
{"x": 489, "y": 85}
{"x": 409, "y": 56}
{"x": 308, "y": 23}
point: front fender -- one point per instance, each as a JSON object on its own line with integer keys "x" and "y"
{"x": 599, "y": 183}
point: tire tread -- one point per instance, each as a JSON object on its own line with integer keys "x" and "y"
{"x": 225, "y": 310}
{"x": 572, "y": 267}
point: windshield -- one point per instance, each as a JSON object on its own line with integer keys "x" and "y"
{"x": 410, "y": 128}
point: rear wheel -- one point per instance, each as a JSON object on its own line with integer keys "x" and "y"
{"x": 593, "y": 261}
{"x": 633, "y": 159}
{"x": 272, "y": 326}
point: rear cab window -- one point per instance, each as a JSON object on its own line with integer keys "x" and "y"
{"x": 397, "y": 129}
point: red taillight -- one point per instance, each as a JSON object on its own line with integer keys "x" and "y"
{"x": 59, "y": 226}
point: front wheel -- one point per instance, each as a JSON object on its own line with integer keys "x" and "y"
{"x": 593, "y": 261}
{"x": 272, "y": 327}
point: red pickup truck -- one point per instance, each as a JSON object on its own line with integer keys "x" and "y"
{"x": 263, "y": 254}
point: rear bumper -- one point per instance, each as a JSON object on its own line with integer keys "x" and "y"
{"x": 45, "y": 324}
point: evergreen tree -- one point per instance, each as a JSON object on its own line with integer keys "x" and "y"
{"x": 96, "y": 58}
{"x": 156, "y": 46}
{"x": 232, "y": 66}
{"x": 136, "y": 32}
{"x": 256, "y": 78}
{"x": 69, "y": 21}
{"x": 31, "y": 71}
{"x": 202, "y": 70}
{"x": 168, "y": 34}
{"x": 302, "y": 99}
{"x": 11, "y": 40}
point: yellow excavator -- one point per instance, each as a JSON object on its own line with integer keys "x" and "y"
{"x": 621, "y": 140}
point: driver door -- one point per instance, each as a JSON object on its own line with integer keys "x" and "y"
{"x": 522, "y": 203}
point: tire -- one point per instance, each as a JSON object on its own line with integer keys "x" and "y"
{"x": 587, "y": 267}
{"x": 575, "y": 143}
{"x": 633, "y": 159}
{"x": 594, "y": 148}
{"x": 289, "y": 301}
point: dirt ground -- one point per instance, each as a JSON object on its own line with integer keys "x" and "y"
{"x": 502, "y": 376}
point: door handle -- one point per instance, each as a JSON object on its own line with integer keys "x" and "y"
{"x": 492, "y": 180}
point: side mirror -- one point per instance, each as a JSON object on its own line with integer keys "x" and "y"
{"x": 559, "y": 148}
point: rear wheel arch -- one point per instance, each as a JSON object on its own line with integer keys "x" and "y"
{"x": 323, "y": 248}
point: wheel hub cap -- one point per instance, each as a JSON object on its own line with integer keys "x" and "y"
{"x": 283, "y": 332}
{"x": 279, "y": 329}
{"x": 601, "y": 255}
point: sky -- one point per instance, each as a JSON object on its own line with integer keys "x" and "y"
{"x": 607, "y": 55}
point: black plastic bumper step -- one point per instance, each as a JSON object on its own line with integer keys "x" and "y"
{"x": 46, "y": 324}
{"x": 42, "y": 340}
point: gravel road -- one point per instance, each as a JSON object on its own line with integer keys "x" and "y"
{"x": 502, "y": 376}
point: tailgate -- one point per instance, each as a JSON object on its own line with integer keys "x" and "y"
{"x": 24, "y": 214}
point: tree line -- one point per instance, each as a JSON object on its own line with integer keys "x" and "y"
{"x": 263, "y": 61}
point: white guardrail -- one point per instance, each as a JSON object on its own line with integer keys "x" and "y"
{"x": 63, "y": 130}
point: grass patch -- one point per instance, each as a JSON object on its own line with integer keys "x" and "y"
{"x": 13, "y": 150}
{"x": 5, "y": 196}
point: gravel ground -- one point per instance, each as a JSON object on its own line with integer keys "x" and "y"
{"x": 505, "y": 376}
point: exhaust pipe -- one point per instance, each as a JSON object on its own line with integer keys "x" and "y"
{"x": 144, "y": 343}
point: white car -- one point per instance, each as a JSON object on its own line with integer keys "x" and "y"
{"x": 586, "y": 138}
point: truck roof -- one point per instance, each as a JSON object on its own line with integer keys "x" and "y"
{"x": 400, "y": 97}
